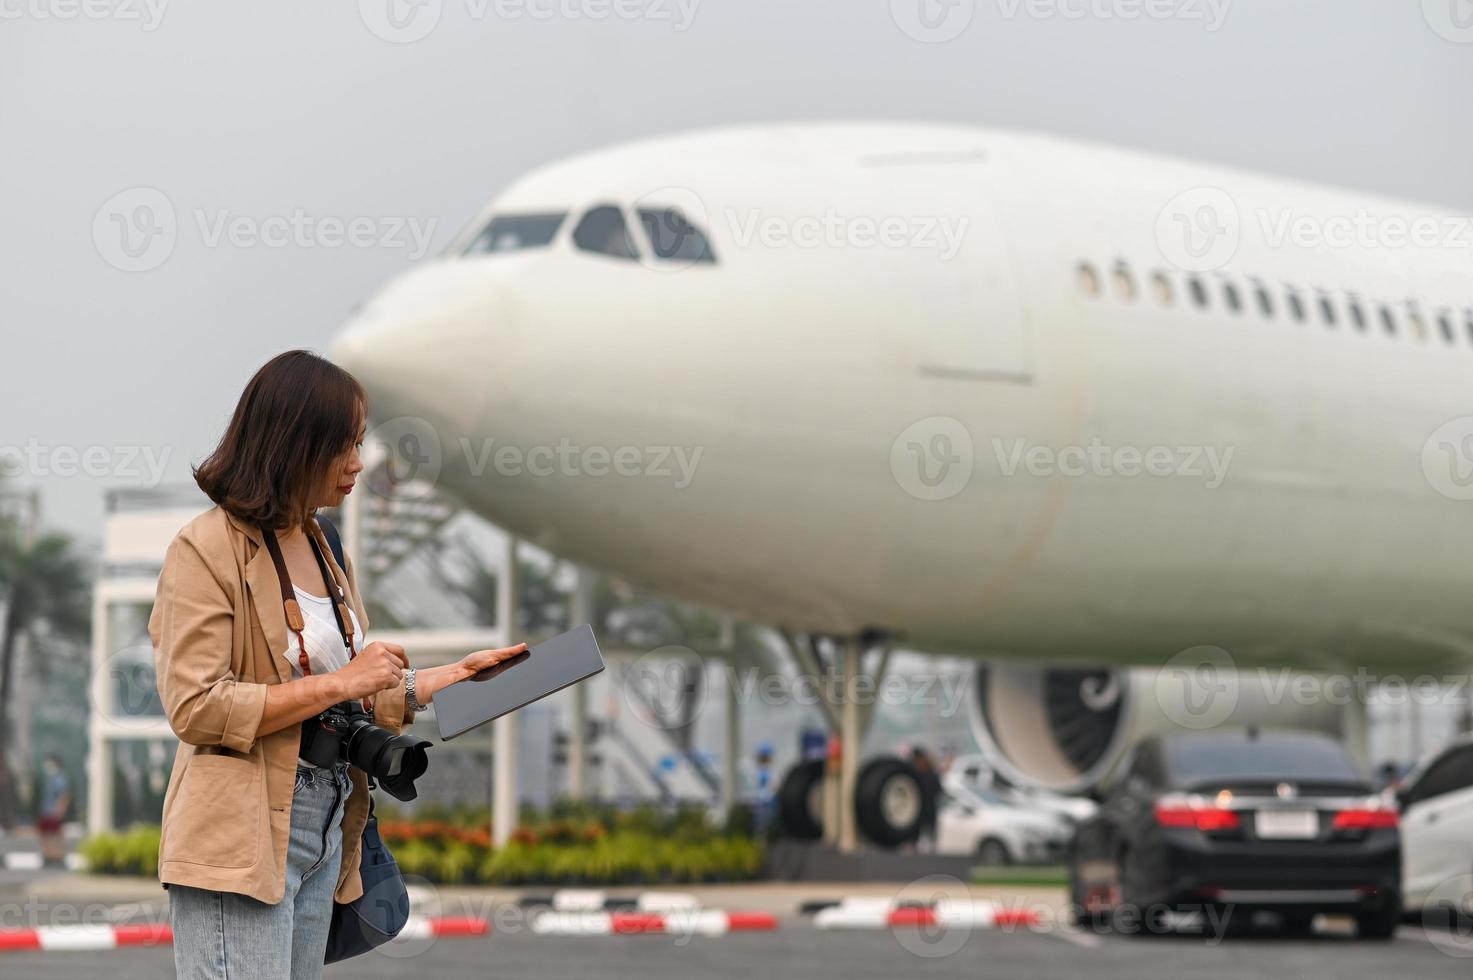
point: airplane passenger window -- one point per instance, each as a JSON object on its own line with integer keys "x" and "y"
{"x": 604, "y": 231}
{"x": 1198, "y": 291}
{"x": 1388, "y": 320}
{"x": 1357, "y": 315}
{"x": 1088, "y": 279}
{"x": 1161, "y": 286}
{"x": 1230, "y": 295}
{"x": 1296, "y": 306}
{"x": 1327, "y": 312}
{"x": 1445, "y": 324}
{"x": 1124, "y": 282}
{"x": 1468, "y": 319}
{"x": 673, "y": 237}
{"x": 511, "y": 232}
{"x": 1265, "y": 302}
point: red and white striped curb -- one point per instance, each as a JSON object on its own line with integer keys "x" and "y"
{"x": 683, "y": 922}
{"x": 886, "y": 913}
{"x": 591, "y": 900}
{"x": 33, "y": 861}
{"x": 51, "y": 938}
{"x": 56, "y": 938}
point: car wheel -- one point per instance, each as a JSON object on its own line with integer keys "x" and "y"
{"x": 1379, "y": 924}
{"x": 1079, "y": 909}
{"x": 797, "y": 801}
{"x": 993, "y": 852}
{"x": 889, "y": 799}
{"x": 1297, "y": 923}
{"x": 1134, "y": 897}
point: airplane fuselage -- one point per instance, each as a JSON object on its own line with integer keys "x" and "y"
{"x": 932, "y": 385}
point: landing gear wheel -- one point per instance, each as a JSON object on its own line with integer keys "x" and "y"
{"x": 890, "y": 797}
{"x": 993, "y": 852}
{"x": 799, "y": 801}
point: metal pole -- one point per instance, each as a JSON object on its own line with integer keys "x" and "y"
{"x": 1357, "y": 729}
{"x": 729, "y": 786}
{"x": 577, "y": 739}
{"x": 504, "y": 788}
{"x": 849, "y": 747}
{"x": 99, "y": 765}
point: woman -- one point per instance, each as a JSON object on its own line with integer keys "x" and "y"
{"x": 257, "y": 843}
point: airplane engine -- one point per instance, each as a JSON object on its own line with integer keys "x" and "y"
{"x": 1062, "y": 728}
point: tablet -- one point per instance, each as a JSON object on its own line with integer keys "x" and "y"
{"x": 544, "y": 669}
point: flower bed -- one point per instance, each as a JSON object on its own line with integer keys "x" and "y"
{"x": 583, "y": 845}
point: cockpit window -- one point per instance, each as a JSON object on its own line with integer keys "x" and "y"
{"x": 604, "y": 231}
{"x": 673, "y": 237}
{"x": 512, "y": 232}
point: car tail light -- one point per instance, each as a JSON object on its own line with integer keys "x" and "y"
{"x": 1373, "y": 816}
{"x": 1182, "y": 811}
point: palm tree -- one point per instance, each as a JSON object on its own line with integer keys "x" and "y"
{"x": 46, "y": 588}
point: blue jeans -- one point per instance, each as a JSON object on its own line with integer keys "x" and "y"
{"x": 219, "y": 935}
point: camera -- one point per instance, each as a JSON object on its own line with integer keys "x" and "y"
{"x": 346, "y": 731}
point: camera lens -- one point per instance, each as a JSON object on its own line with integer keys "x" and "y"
{"x": 396, "y": 761}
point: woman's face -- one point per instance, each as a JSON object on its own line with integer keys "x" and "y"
{"x": 342, "y": 474}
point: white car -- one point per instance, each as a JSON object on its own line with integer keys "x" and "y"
{"x": 1437, "y": 828}
{"x": 976, "y": 773}
{"x": 981, "y": 822}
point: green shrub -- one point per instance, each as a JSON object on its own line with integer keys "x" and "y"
{"x": 457, "y": 863}
{"x": 418, "y": 857}
{"x": 567, "y": 853}
{"x": 134, "y": 851}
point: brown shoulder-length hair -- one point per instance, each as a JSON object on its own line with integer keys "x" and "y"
{"x": 297, "y": 414}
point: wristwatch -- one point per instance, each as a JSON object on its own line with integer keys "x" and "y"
{"x": 409, "y": 691}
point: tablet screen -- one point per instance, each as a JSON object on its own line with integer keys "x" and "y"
{"x": 546, "y": 668}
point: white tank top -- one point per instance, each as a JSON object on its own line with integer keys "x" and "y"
{"x": 325, "y": 651}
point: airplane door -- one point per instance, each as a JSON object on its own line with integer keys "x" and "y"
{"x": 979, "y": 330}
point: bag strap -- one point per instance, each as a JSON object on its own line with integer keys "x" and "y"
{"x": 334, "y": 540}
{"x": 335, "y": 545}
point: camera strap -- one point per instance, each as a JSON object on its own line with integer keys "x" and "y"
{"x": 294, "y": 618}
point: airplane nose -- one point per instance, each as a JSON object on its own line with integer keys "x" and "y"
{"x": 422, "y": 349}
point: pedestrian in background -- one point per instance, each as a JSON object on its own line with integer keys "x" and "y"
{"x": 764, "y": 797}
{"x": 56, "y": 798}
{"x": 930, "y": 796}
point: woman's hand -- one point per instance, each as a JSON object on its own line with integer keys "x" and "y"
{"x": 473, "y": 663}
{"x": 428, "y": 680}
{"x": 378, "y": 667}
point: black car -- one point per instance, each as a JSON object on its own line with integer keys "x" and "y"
{"x": 1242, "y": 821}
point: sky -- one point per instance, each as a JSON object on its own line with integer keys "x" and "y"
{"x": 309, "y": 151}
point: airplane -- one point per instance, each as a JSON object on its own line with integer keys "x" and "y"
{"x": 983, "y": 392}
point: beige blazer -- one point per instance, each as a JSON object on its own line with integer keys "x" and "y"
{"x": 218, "y": 630}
